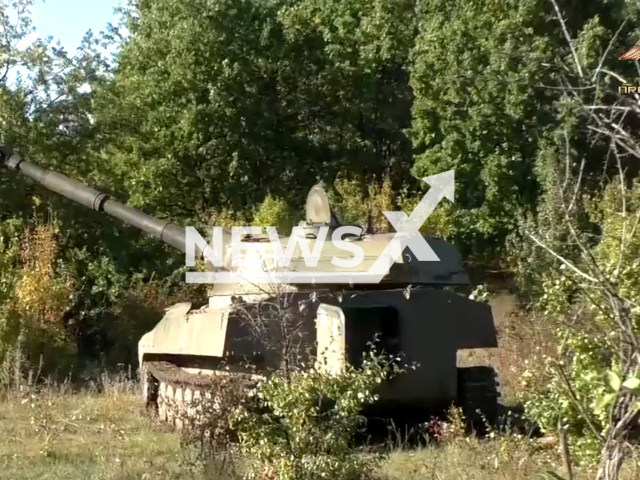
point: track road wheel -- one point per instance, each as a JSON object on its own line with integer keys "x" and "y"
{"x": 151, "y": 392}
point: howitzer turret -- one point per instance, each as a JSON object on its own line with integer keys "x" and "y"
{"x": 411, "y": 311}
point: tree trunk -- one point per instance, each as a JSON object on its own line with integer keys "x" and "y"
{"x": 613, "y": 456}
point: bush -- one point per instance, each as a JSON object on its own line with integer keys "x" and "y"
{"x": 274, "y": 212}
{"x": 577, "y": 385}
{"x": 305, "y": 423}
{"x": 32, "y": 328}
{"x": 358, "y": 204}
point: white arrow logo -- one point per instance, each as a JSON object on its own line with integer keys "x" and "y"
{"x": 408, "y": 228}
{"x": 442, "y": 185}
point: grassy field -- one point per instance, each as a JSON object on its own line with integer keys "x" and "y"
{"x": 84, "y": 436}
{"x": 58, "y": 435}
{"x": 108, "y": 435}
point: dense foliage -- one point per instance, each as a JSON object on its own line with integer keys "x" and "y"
{"x": 587, "y": 358}
{"x": 219, "y": 104}
{"x": 303, "y": 425}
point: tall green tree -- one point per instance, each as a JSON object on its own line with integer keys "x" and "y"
{"x": 477, "y": 72}
{"x": 216, "y": 105}
{"x": 487, "y": 78}
{"x": 47, "y": 115}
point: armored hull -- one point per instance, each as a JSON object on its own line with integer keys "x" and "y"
{"x": 426, "y": 325}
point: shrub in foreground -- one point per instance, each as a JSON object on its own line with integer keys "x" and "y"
{"x": 305, "y": 423}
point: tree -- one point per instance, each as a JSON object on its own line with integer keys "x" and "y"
{"x": 217, "y": 105}
{"x": 46, "y": 114}
{"x": 477, "y": 69}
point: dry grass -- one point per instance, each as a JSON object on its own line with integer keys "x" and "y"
{"x": 472, "y": 459}
{"x": 107, "y": 435}
{"x": 85, "y": 436}
{"x": 498, "y": 458}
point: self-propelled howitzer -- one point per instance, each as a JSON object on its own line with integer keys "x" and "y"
{"x": 411, "y": 311}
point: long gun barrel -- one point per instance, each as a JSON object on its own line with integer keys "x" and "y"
{"x": 163, "y": 230}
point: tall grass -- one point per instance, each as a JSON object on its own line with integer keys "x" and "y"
{"x": 102, "y": 432}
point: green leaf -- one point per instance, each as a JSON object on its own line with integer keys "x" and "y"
{"x": 614, "y": 381}
{"x": 631, "y": 383}
{"x": 604, "y": 401}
